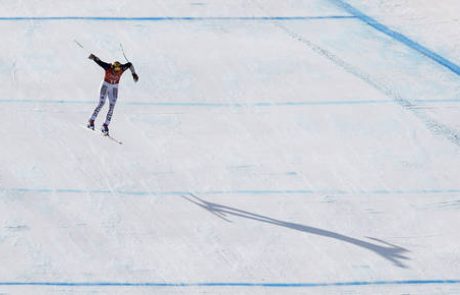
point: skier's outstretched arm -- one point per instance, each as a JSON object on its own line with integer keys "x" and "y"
{"x": 130, "y": 66}
{"x": 97, "y": 60}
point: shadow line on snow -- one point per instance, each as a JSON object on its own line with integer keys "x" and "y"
{"x": 391, "y": 252}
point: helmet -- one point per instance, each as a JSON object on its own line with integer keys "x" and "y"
{"x": 116, "y": 66}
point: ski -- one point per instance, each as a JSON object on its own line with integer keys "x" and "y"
{"x": 112, "y": 138}
{"x": 108, "y": 136}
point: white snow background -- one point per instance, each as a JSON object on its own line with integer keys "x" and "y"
{"x": 269, "y": 147}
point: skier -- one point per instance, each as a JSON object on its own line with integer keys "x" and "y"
{"x": 109, "y": 88}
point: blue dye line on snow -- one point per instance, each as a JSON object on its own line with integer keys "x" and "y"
{"x": 232, "y": 284}
{"x": 232, "y": 192}
{"x": 398, "y": 36}
{"x": 172, "y": 18}
{"x": 231, "y": 104}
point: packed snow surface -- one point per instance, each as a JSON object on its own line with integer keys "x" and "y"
{"x": 269, "y": 147}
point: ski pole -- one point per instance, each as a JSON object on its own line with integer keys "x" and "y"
{"x": 79, "y": 44}
{"x": 123, "y": 51}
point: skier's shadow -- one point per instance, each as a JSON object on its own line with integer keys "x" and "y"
{"x": 388, "y": 251}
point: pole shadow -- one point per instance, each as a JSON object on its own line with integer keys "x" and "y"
{"x": 391, "y": 252}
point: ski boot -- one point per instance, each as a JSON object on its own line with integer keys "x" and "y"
{"x": 105, "y": 129}
{"x": 90, "y": 124}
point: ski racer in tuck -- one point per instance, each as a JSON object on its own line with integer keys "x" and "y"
{"x": 109, "y": 88}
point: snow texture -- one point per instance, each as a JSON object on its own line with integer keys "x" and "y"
{"x": 269, "y": 147}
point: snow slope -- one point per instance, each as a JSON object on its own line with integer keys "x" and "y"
{"x": 269, "y": 147}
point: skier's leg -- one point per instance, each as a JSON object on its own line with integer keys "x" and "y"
{"x": 113, "y": 95}
{"x": 102, "y": 97}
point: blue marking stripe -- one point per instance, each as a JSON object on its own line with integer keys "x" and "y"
{"x": 233, "y": 104}
{"x": 398, "y": 36}
{"x": 232, "y": 284}
{"x": 172, "y": 18}
{"x": 233, "y": 192}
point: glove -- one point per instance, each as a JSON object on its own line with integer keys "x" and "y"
{"x": 135, "y": 77}
{"x": 92, "y": 56}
